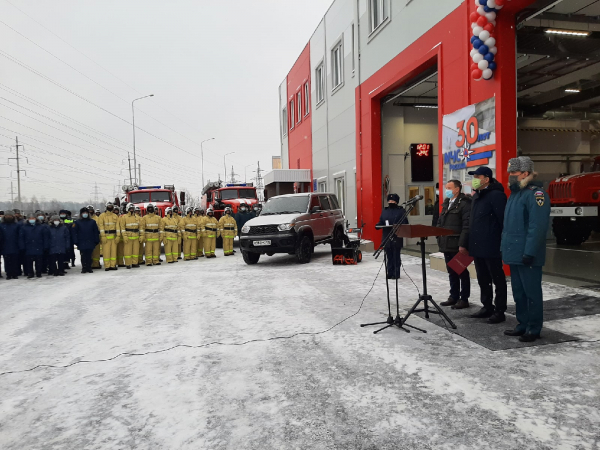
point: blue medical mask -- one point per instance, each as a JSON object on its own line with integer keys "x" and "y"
{"x": 84, "y": 215}
{"x": 41, "y": 218}
{"x": 32, "y": 221}
{"x": 449, "y": 193}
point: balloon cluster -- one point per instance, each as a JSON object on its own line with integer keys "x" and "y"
{"x": 483, "y": 23}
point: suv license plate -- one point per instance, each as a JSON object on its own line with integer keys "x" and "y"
{"x": 261, "y": 243}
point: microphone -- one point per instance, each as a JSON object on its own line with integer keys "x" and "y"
{"x": 414, "y": 200}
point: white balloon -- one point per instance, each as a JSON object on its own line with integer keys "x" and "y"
{"x": 490, "y": 16}
{"x": 473, "y": 24}
{"x": 487, "y": 74}
{"x": 477, "y": 58}
{"x": 474, "y": 52}
{"x": 491, "y": 42}
{"x": 491, "y": 4}
{"x": 483, "y": 64}
{"x": 499, "y": 7}
{"x": 477, "y": 3}
{"x": 484, "y": 35}
{"x": 493, "y": 22}
{"x": 477, "y": 30}
{"x": 481, "y": 11}
{"x": 493, "y": 50}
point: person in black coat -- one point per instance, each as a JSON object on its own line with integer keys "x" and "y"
{"x": 455, "y": 215}
{"x": 34, "y": 239}
{"x": 485, "y": 235}
{"x": 436, "y": 206}
{"x": 86, "y": 236}
{"x": 390, "y": 216}
{"x": 10, "y": 248}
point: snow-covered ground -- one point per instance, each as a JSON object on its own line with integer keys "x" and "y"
{"x": 343, "y": 389}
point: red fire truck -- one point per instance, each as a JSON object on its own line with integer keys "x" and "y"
{"x": 162, "y": 197}
{"x": 232, "y": 195}
{"x": 575, "y": 201}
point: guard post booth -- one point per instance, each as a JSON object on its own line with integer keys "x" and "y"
{"x": 287, "y": 181}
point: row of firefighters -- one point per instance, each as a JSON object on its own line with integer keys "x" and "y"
{"x": 123, "y": 237}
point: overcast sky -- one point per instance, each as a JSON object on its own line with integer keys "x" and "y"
{"x": 69, "y": 70}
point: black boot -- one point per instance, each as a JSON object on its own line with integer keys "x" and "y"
{"x": 449, "y": 302}
{"x": 497, "y": 317}
{"x": 483, "y": 313}
{"x": 529, "y": 337}
{"x": 514, "y": 332}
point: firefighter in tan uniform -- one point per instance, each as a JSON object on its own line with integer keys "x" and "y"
{"x": 210, "y": 229}
{"x": 96, "y": 251}
{"x": 189, "y": 230}
{"x": 141, "y": 251}
{"x": 120, "y": 243}
{"x": 201, "y": 216}
{"x": 228, "y": 231}
{"x": 180, "y": 241}
{"x": 150, "y": 234}
{"x": 130, "y": 234}
{"x": 171, "y": 235}
{"x": 108, "y": 226}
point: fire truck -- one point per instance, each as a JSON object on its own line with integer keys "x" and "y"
{"x": 220, "y": 196}
{"x": 575, "y": 201}
{"x": 162, "y": 197}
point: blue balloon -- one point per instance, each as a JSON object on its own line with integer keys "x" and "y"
{"x": 473, "y": 39}
{"x": 483, "y": 49}
{"x": 489, "y": 57}
{"x": 492, "y": 66}
{"x": 477, "y": 43}
{"x": 483, "y": 2}
{"x": 488, "y": 9}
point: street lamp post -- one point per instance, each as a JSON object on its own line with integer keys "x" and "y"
{"x": 202, "y": 157}
{"x": 225, "y": 166}
{"x": 133, "y": 123}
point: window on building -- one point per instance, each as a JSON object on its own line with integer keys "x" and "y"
{"x": 378, "y": 12}
{"x": 299, "y": 101}
{"x": 429, "y": 201}
{"x": 306, "y": 99}
{"x": 292, "y": 114}
{"x": 337, "y": 65}
{"x": 284, "y": 121}
{"x": 320, "y": 80}
{"x": 322, "y": 186}
{"x": 340, "y": 192}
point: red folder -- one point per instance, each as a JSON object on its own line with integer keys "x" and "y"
{"x": 460, "y": 263}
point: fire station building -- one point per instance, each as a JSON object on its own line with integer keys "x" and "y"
{"x": 387, "y": 96}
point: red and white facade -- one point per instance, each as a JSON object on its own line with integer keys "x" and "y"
{"x": 364, "y": 50}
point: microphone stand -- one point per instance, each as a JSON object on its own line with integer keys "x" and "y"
{"x": 392, "y": 322}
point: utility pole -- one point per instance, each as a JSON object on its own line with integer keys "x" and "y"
{"x": 12, "y": 195}
{"x": 260, "y": 187}
{"x": 233, "y": 181}
{"x": 96, "y": 195}
{"x": 129, "y": 161}
{"x": 18, "y": 173}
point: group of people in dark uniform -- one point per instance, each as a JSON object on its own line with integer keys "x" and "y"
{"x": 495, "y": 231}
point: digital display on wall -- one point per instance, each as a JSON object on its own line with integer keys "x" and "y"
{"x": 421, "y": 162}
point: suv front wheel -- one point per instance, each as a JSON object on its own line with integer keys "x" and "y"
{"x": 304, "y": 250}
{"x": 250, "y": 258}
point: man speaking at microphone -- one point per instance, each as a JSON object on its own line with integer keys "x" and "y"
{"x": 390, "y": 216}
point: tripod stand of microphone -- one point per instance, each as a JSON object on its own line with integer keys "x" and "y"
{"x": 398, "y": 321}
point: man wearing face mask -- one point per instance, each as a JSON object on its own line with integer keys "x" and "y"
{"x": 228, "y": 230}
{"x": 10, "y": 250}
{"x": 169, "y": 226}
{"x": 60, "y": 242}
{"x": 523, "y": 246}
{"x": 41, "y": 219}
{"x": 390, "y": 216}
{"x": 189, "y": 232}
{"x": 150, "y": 233}
{"x": 96, "y": 252}
{"x": 108, "y": 226}
{"x": 130, "y": 233}
{"x": 33, "y": 240}
{"x": 210, "y": 228}
{"x": 455, "y": 216}
{"x": 485, "y": 234}
{"x": 86, "y": 237}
